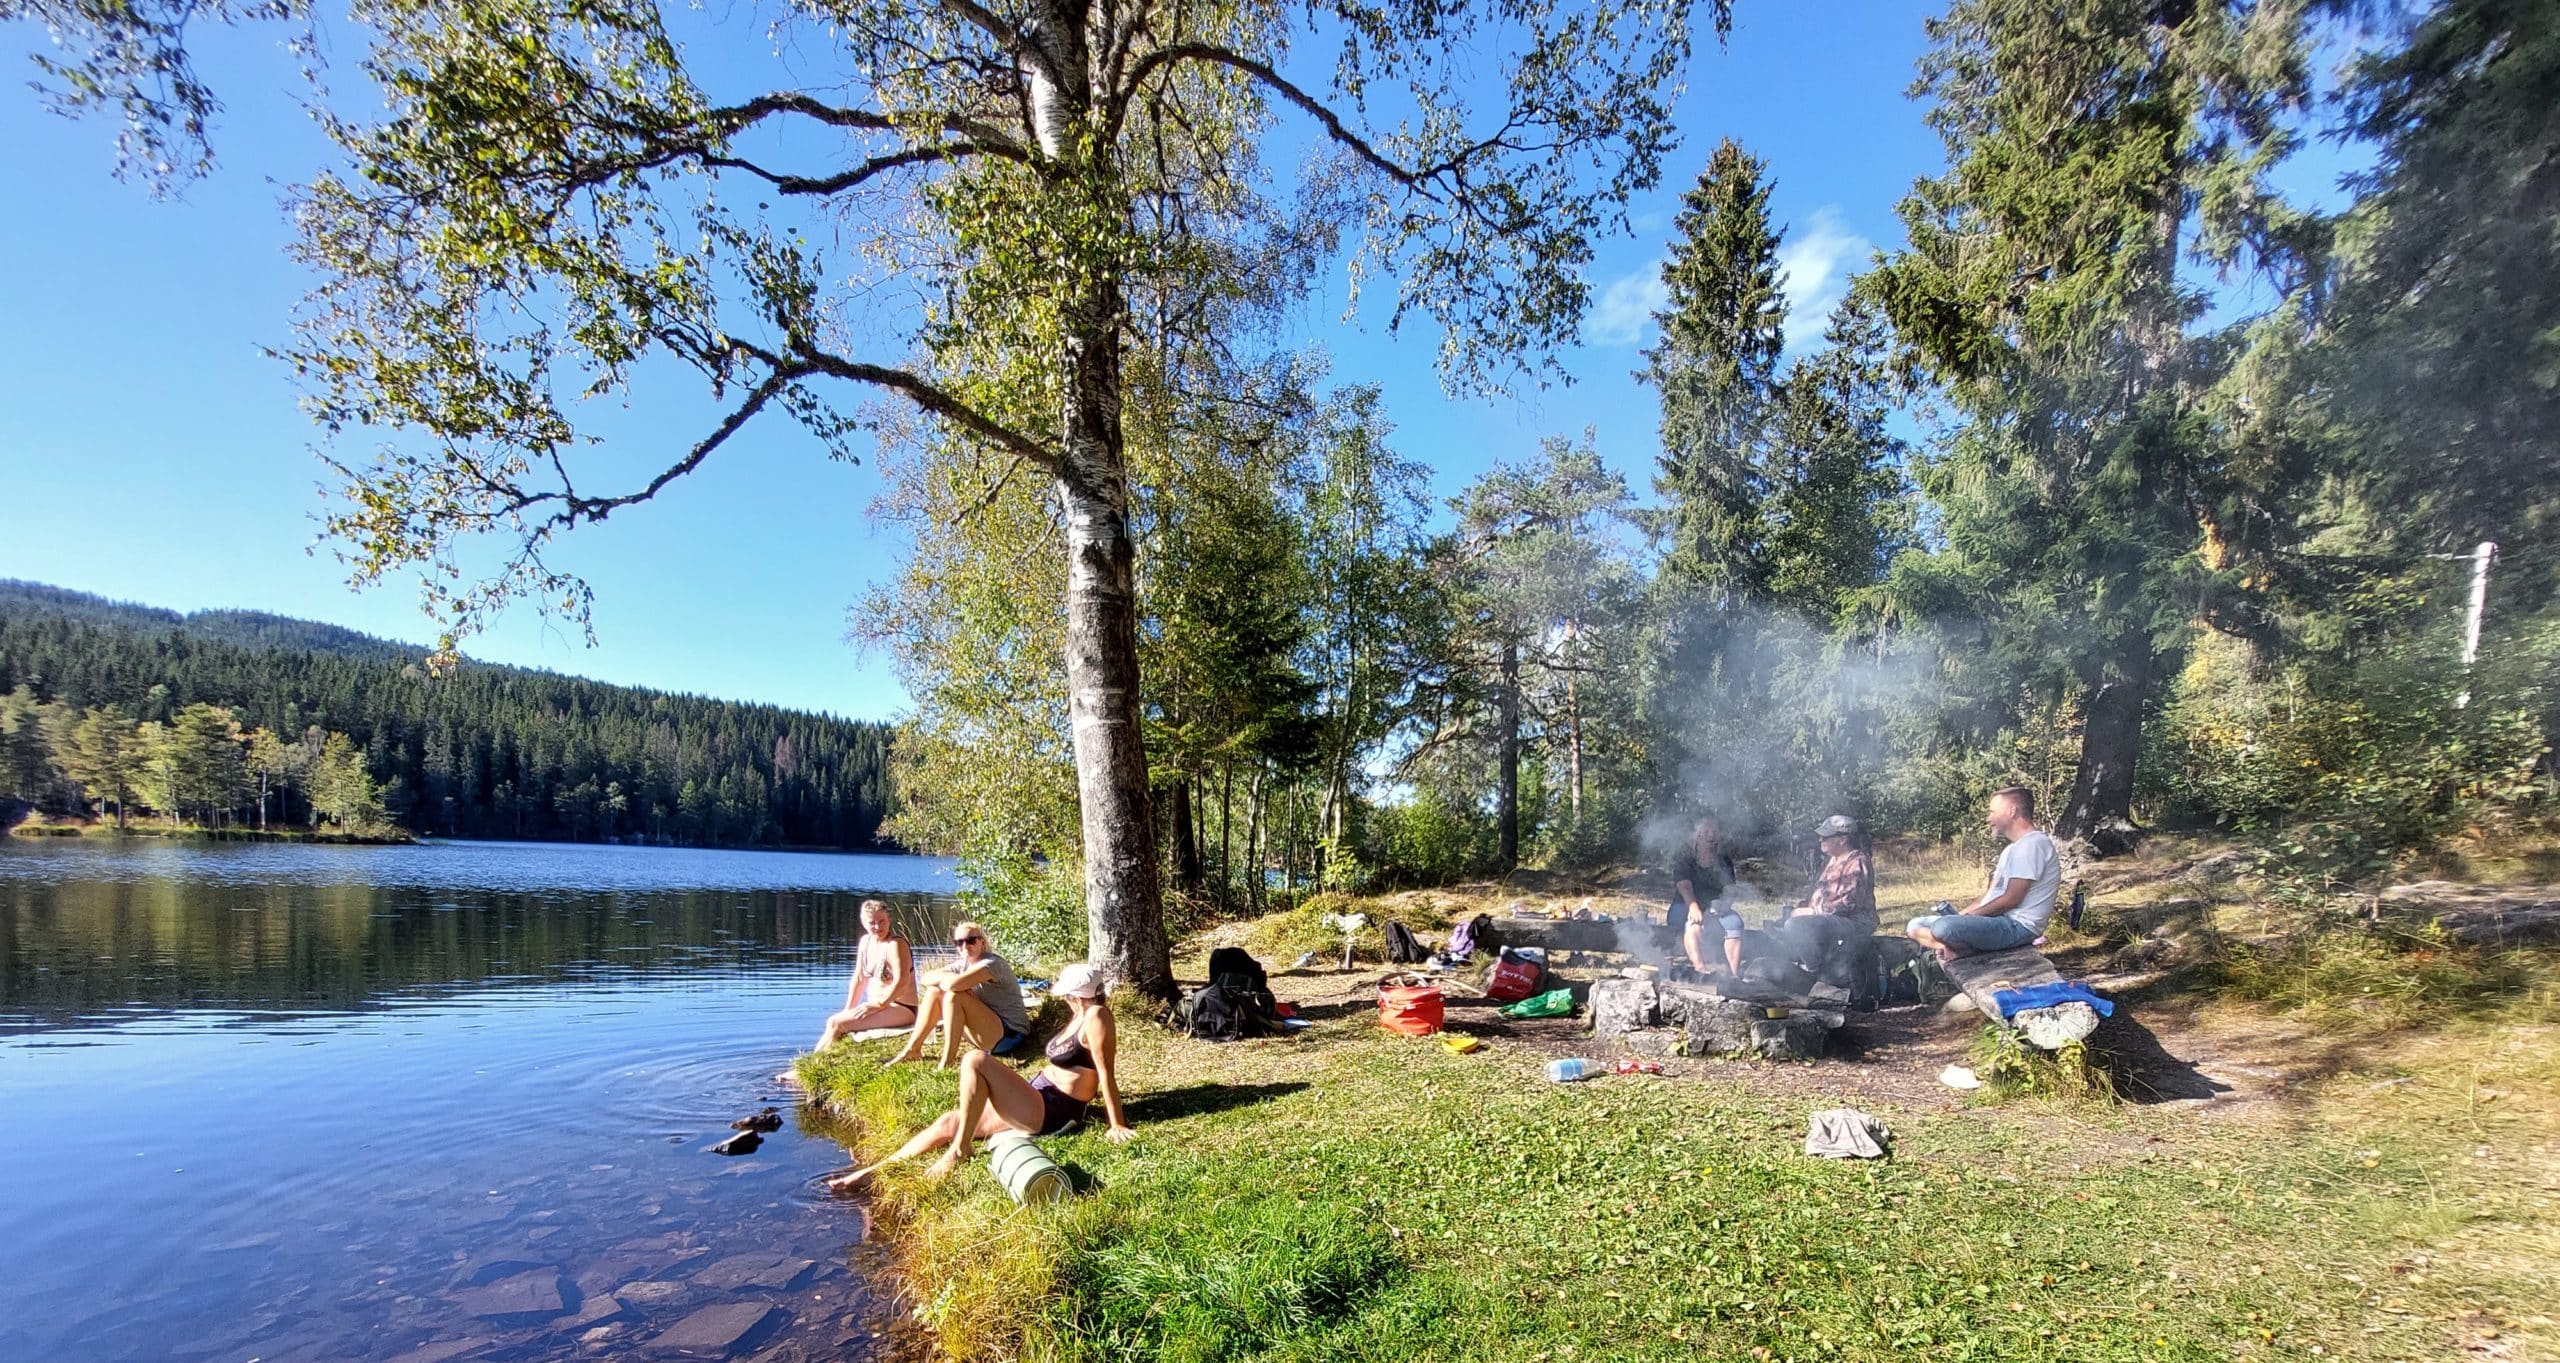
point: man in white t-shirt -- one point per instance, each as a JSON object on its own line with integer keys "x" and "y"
{"x": 2015, "y": 909}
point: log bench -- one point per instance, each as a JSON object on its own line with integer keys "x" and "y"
{"x": 1987, "y": 974}
{"x": 1651, "y": 942}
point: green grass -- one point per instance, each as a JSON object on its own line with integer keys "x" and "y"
{"x": 1358, "y": 1196}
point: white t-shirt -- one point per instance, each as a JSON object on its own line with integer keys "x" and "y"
{"x": 2032, "y": 859}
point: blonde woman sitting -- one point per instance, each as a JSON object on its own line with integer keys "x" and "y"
{"x": 882, "y": 993}
{"x": 1083, "y": 1061}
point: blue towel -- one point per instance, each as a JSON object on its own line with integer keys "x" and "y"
{"x": 2015, "y": 1001}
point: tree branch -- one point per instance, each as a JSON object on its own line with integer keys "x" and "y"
{"x": 1261, "y": 71}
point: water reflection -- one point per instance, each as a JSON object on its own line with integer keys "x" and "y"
{"x": 314, "y": 1116}
{"x": 88, "y": 936}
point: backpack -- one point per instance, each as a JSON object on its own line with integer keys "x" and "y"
{"x": 1402, "y": 949}
{"x": 1209, "y": 1013}
{"x": 1470, "y": 937}
{"x": 1514, "y": 976}
{"x": 1236, "y": 967}
{"x": 1235, "y": 1004}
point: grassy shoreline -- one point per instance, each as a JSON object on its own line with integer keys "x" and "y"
{"x": 1350, "y": 1195}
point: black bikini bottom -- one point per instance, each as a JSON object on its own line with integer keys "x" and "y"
{"x": 1058, "y": 1109}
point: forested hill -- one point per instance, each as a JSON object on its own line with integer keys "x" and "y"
{"x": 481, "y": 752}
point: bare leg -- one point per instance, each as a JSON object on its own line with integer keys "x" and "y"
{"x": 993, "y": 1098}
{"x": 1733, "y": 956}
{"x": 838, "y": 1024}
{"x": 1930, "y": 940}
{"x": 929, "y": 1003}
{"x": 971, "y": 1022}
{"x": 884, "y": 1017}
{"x": 938, "y": 1133}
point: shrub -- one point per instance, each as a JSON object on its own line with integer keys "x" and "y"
{"x": 1277, "y": 939}
{"x": 2343, "y": 777}
{"x": 1033, "y": 909}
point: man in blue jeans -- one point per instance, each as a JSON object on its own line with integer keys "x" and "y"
{"x": 2019, "y": 903}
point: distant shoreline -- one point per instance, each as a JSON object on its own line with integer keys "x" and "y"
{"x": 36, "y": 832}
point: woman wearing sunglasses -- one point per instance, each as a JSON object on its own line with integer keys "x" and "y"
{"x": 975, "y": 1000}
{"x": 1083, "y": 1065}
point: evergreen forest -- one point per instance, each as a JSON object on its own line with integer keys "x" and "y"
{"x": 243, "y": 720}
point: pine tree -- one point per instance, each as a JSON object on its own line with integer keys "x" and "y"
{"x": 1838, "y": 509}
{"x": 1716, "y": 366}
{"x": 2442, "y": 366}
{"x": 2088, "y": 141}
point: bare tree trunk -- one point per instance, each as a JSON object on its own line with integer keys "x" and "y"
{"x": 1573, "y": 715}
{"x": 1226, "y": 838}
{"x": 1186, "y": 844}
{"x": 2100, "y": 807}
{"x": 1124, "y": 907}
{"x": 1253, "y": 841}
{"x": 1507, "y": 812}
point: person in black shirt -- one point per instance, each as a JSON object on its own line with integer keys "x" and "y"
{"x": 1702, "y": 879}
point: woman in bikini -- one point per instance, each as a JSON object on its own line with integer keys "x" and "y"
{"x": 1083, "y": 1059}
{"x": 882, "y": 993}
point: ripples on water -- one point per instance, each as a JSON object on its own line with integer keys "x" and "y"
{"x": 298, "y": 1102}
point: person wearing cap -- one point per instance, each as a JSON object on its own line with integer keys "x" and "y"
{"x": 1846, "y": 887}
{"x": 1832, "y": 936}
{"x": 1083, "y": 1066}
{"x": 975, "y": 1000}
{"x": 882, "y": 993}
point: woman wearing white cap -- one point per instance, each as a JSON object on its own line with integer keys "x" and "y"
{"x": 1083, "y": 1065}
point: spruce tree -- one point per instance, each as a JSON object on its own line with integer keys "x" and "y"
{"x": 1839, "y": 508}
{"x": 1716, "y": 366}
{"x": 2088, "y": 141}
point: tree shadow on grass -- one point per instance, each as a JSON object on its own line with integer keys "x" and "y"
{"x": 1200, "y": 1100}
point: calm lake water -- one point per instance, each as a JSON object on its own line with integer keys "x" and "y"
{"x": 417, "y": 1103}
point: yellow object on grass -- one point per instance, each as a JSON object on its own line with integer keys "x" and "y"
{"x": 1461, "y": 1045}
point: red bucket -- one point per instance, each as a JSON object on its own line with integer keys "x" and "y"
{"x": 1409, "y": 1004}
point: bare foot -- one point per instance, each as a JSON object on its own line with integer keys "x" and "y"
{"x": 944, "y": 1167}
{"x": 791, "y": 1077}
{"x": 1946, "y": 955}
{"x": 849, "y": 1182}
{"x": 901, "y": 1058}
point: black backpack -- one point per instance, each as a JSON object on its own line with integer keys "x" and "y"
{"x": 1236, "y": 1002}
{"x": 1402, "y": 949}
{"x": 1210, "y": 1013}
{"x": 1236, "y": 967}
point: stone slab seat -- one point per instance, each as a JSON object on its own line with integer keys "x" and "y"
{"x": 1987, "y": 974}
{"x": 1656, "y": 1018}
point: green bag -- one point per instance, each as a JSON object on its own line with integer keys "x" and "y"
{"x": 1555, "y": 1003}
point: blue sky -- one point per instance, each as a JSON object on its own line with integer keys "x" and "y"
{"x": 149, "y": 450}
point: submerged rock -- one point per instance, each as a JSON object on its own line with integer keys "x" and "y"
{"x": 535, "y": 1292}
{"x": 744, "y": 1143}
{"x": 768, "y": 1120}
{"x": 716, "y": 1331}
{"x": 775, "y": 1272}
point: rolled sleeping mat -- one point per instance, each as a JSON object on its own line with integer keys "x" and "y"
{"x": 1026, "y": 1173}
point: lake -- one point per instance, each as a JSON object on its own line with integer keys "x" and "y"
{"x": 415, "y": 1103}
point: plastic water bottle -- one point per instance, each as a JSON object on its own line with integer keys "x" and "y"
{"x": 1571, "y": 1070}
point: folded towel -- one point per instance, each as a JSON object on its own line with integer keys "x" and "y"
{"x": 2015, "y": 1001}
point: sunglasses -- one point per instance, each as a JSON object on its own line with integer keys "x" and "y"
{"x": 970, "y": 940}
